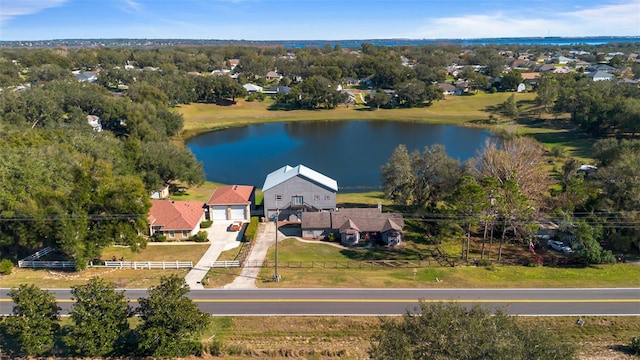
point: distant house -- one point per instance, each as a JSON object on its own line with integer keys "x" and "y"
{"x": 252, "y": 89}
{"x": 547, "y": 68}
{"x": 231, "y": 202}
{"x": 278, "y": 89}
{"x": 272, "y": 75}
{"x": 177, "y": 220}
{"x": 601, "y": 67}
{"x": 290, "y": 191}
{"x": 86, "y": 76}
{"x": 530, "y": 78}
{"x": 94, "y": 122}
{"x": 448, "y": 89}
{"x": 600, "y": 76}
{"x": 162, "y": 193}
{"x": 353, "y": 225}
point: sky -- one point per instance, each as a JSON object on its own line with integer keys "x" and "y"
{"x": 315, "y": 19}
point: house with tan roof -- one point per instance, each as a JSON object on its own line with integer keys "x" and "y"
{"x": 177, "y": 220}
{"x": 353, "y": 225}
{"x": 231, "y": 202}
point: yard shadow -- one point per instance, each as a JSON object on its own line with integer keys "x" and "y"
{"x": 625, "y": 349}
{"x": 377, "y": 253}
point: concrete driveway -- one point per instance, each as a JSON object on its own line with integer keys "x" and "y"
{"x": 220, "y": 240}
{"x": 265, "y": 238}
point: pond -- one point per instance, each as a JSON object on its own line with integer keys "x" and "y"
{"x": 350, "y": 152}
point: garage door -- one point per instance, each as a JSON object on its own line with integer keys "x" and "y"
{"x": 219, "y": 213}
{"x": 237, "y": 212}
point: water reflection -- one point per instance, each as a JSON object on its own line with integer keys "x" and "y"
{"x": 349, "y": 151}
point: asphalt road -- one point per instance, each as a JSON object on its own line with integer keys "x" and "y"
{"x": 342, "y": 302}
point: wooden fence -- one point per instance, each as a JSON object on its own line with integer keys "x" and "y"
{"x": 149, "y": 264}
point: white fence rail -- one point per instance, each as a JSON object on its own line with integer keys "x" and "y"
{"x": 47, "y": 264}
{"x": 225, "y": 264}
{"x": 149, "y": 264}
{"x": 39, "y": 254}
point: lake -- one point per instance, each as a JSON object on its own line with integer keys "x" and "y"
{"x": 350, "y": 152}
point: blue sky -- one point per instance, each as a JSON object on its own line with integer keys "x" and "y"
{"x": 315, "y": 19}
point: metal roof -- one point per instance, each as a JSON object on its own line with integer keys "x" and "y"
{"x": 287, "y": 172}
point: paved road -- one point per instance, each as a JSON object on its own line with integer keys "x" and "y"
{"x": 250, "y": 302}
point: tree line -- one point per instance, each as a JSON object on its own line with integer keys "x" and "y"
{"x": 171, "y": 326}
{"x": 169, "y": 322}
{"x": 508, "y": 188}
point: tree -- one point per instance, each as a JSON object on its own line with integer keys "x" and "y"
{"x": 398, "y": 178}
{"x": 511, "y": 80}
{"x": 411, "y": 93}
{"x": 451, "y": 331}
{"x": 547, "y": 91}
{"x": 100, "y": 319}
{"x": 509, "y": 107}
{"x": 163, "y": 162}
{"x": 35, "y": 319}
{"x": 169, "y": 320}
{"x": 521, "y": 159}
{"x": 378, "y": 99}
{"x": 468, "y": 200}
{"x": 589, "y": 248}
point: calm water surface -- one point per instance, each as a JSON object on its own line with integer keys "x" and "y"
{"x": 350, "y": 152}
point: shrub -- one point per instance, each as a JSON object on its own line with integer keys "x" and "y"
{"x": 206, "y": 224}
{"x": 635, "y": 345}
{"x": 160, "y": 238}
{"x": 201, "y": 236}
{"x": 6, "y": 267}
{"x": 251, "y": 230}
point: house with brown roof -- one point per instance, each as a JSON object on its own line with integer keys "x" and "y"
{"x": 231, "y": 202}
{"x": 177, "y": 220}
{"x": 354, "y": 224}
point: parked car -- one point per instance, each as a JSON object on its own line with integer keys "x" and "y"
{"x": 559, "y": 246}
{"x": 235, "y": 226}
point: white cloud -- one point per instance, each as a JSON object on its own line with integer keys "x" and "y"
{"x": 13, "y": 8}
{"x": 616, "y": 20}
{"x": 130, "y": 6}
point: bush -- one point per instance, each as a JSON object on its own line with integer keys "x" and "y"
{"x": 6, "y": 267}
{"x": 206, "y": 224}
{"x": 251, "y": 230}
{"x": 635, "y": 345}
{"x": 201, "y": 236}
{"x": 160, "y": 238}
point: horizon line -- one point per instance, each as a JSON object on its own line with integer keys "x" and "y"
{"x": 337, "y": 40}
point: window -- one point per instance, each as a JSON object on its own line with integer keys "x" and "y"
{"x": 278, "y": 197}
{"x": 296, "y": 201}
{"x": 316, "y": 197}
{"x": 327, "y": 197}
{"x": 185, "y": 234}
{"x": 172, "y": 234}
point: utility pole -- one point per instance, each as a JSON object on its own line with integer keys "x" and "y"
{"x": 276, "y": 277}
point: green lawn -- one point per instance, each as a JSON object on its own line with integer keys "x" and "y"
{"x": 325, "y": 273}
{"x": 453, "y": 110}
{"x": 191, "y": 252}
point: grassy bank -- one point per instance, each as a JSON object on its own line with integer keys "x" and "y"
{"x": 129, "y": 278}
{"x": 457, "y": 110}
{"x": 349, "y": 337}
{"x": 330, "y": 269}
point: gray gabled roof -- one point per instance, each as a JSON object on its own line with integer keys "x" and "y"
{"x": 287, "y": 172}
